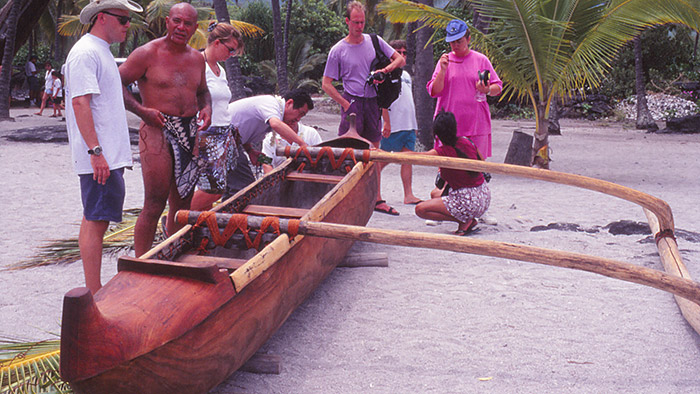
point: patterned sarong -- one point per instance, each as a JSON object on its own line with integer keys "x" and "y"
{"x": 219, "y": 149}
{"x": 181, "y": 133}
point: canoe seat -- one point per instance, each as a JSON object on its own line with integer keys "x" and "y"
{"x": 308, "y": 177}
{"x": 221, "y": 262}
{"x": 268, "y": 210}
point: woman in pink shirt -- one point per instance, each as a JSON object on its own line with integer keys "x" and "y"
{"x": 458, "y": 89}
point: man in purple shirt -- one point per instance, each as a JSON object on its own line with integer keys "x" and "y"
{"x": 350, "y": 60}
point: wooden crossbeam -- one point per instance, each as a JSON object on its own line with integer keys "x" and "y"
{"x": 221, "y": 262}
{"x": 318, "y": 178}
{"x": 267, "y": 210}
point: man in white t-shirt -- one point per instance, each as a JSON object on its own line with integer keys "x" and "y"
{"x": 399, "y": 128}
{"x": 273, "y": 141}
{"x": 256, "y": 116}
{"x": 97, "y": 130}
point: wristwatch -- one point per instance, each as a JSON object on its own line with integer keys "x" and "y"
{"x": 97, "y": 150}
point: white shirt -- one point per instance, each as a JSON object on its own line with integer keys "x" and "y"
{"x": 402, "y": 112}
{"x": 57, "y": 86}
{"x": 220, "y": 97}
{"x": 272, "y": 141}
{"x": 48, "y": 81}
{"x": 91, "y": 69}
{"x": 251, "y": 116}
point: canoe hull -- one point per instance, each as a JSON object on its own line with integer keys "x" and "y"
{"x": 220, "y": 344}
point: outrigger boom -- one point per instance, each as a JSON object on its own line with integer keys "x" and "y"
{"x": 658, "y": 214}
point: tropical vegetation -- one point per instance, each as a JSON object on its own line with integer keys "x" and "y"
{"x": 545, "y": 48}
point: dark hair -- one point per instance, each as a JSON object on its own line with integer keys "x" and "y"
{"x": 299, "y": 97}
{"x": 445, "y": 128}
{"x": 48, "y": 63}
{"x": 398, "y": 44}
{"x": 56, "y": 73}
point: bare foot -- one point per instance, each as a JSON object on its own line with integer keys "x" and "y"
{"x": 37, "y": 113}
{"x": 413, "y": 200}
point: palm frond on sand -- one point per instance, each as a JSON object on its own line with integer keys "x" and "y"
{"x": 119, "y": 238}
{"x": 31, "y": 367}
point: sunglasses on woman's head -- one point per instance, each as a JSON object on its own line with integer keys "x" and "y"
{"x": 123, "y": 20}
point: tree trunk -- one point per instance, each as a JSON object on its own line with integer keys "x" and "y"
{"x": 233, "y": 67}
{"x": 27, "y": 18}
{"x": 481, "y": 23}
{"x": 8, "y": 56}
{"x": 424, "y": 66}
{"x": 280, "y": 58}
{"x": 540, "y": 149}
{"x": 644, "y": 118}
{"x": 410, "y": 47}
{"x": 285, "y": 44}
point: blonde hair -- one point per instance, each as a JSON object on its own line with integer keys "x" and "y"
{"x": 354, "y": 5}
{"x": 223, "y": 31}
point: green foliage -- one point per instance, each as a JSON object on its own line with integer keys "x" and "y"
{"x": 316, "y": 21}
{"x": 667, "y": 55}
{"x": 43, "y": 53}
{"x": 259, "y": 14}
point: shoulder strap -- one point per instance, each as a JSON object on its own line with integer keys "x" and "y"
{"x": 478, "y": 154}
{"x": 375, "y": 41}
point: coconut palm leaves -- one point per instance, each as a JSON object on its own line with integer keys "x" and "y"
{"x": 31, "y": 367}
{"x": 302, "y": 63}
{"x": 543, "y": 48}
{"x": 117, "y": 239}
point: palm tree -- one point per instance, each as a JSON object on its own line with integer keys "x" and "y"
{"x": 302, "y": 63}
{"x": 644, "y": 118}
{"x": 543, "y": 48}
{"x": 8, "y": 55}
{"x": 29, "y": 14}
{"x": 280, "y": 49}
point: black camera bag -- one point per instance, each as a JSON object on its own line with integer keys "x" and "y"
{"x": 389, "y": 90}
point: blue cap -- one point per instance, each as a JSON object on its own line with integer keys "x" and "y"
{"x": 456, "y": 29}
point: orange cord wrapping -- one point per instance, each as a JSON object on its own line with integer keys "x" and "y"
{"x": 236, "y": 222}
{"x": 328, "y": 151}
{"x": 663, "y": 234}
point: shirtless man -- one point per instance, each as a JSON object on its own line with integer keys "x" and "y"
{"x": 173, "y": 88}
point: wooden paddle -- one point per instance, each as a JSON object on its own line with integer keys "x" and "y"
{"x": 659, "y": 207}
{"x": 682, "y": 287}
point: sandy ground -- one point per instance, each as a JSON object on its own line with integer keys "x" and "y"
{"x": 433, "y": 321}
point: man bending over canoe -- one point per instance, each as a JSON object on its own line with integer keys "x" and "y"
{"x": 254, "y": 117}
{"x": 173, "y": 88}
{"x": 97, "y": 128}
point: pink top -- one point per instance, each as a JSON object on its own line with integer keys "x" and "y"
{"x": 459, "y": 95}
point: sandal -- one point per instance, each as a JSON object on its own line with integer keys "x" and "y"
{"x": 469, "y": 230}
{"x": 388, "y": 211}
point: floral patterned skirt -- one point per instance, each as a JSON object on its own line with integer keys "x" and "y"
{"x": 468, "y": 202}
{"x": 217, "y": 146}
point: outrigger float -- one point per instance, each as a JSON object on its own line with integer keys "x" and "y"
{"x": 191, "y": 311}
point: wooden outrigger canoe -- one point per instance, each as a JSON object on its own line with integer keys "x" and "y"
{"x": 175, "y": 321}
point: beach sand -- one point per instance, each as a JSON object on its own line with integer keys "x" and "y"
{"x": 433, "y": 321}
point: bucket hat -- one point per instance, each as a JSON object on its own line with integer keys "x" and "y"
{"x": 97, "y": 6}
{"x": 456, "y": 29}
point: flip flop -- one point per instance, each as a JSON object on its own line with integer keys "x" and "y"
{"x": 414, "y": 203}
{"x": 389, "y": 211}
{"x": 469, "y": 230}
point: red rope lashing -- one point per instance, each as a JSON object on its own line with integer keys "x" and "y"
{"x": 293, "y": 228}
{"x": 267, "y": 222}
{"x": 663, "y": 234}
{"x": 328, "y": 151}
{"x": 365, "y": 156}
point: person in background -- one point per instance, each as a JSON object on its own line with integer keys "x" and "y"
{"x": 33, "y": 84}
{"x": 217, "y": 144}
{"x": 465, "y": 196}
{"x": 273, "y": 141}
{"x": 48, "y": 87}
{"x": 350, "y": 60}
{"x": 400, "y": 125}
{"x": 459, "y": 90}
{"x": 97, "y": 130}
{"x": 56, "y": 94}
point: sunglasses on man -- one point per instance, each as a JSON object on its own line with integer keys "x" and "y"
{"x": 123, "y": 20}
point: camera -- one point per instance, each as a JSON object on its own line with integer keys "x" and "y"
{"x": 376, "y": 76}
{"x": 484, "y": 77}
